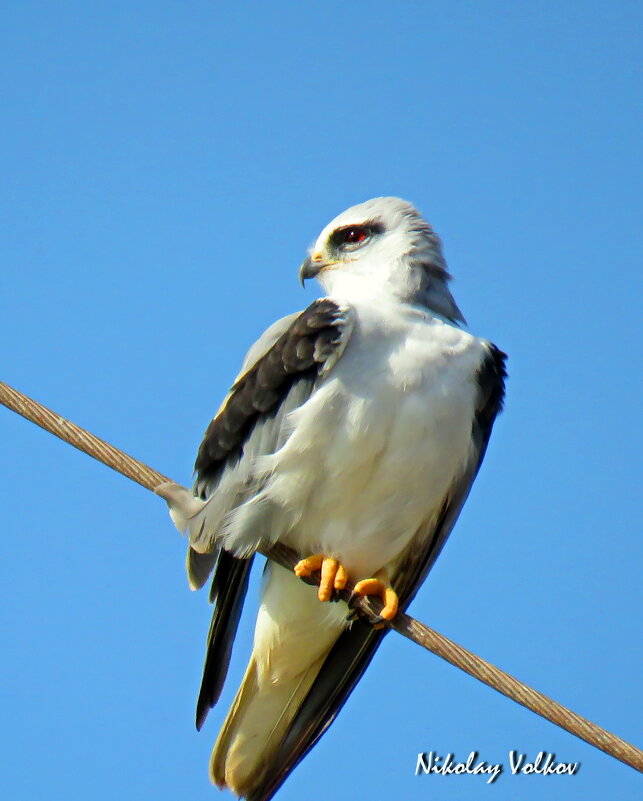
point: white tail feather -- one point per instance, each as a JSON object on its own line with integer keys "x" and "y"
{"x": 256, "y": 723}
{"x": 183, "y": 506}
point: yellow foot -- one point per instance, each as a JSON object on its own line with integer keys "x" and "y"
{"x": 384, "y": 591}
{"x": 333, "y": 574}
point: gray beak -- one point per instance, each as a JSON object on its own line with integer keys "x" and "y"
{"x": 309, "y": 269}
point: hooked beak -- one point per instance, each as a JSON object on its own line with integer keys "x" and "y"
{"x": 311, "y": 266}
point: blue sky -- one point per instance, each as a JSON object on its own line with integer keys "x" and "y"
{"x": 165, "y": 167}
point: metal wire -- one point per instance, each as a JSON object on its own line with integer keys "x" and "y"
{"x": 404, "y": 624}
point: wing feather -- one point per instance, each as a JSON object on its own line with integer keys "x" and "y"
{"x": 229, "y": 588}
{"x": 354, "y": 649}
{"x": 279, "y": 374}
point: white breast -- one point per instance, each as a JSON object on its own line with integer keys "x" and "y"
{"x": 374, "y": 451}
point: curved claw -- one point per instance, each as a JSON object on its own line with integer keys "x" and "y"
{"x": 382, "y": 590}
{"x": 333, "y": 574}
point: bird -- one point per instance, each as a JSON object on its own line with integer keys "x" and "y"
{"x": 352, "y": 434}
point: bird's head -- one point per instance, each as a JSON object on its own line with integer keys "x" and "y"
{"x": 383, "y": 247}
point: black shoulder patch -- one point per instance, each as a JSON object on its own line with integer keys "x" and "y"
{"x": 491, "y": 384}
{"x": 299, "y": 352}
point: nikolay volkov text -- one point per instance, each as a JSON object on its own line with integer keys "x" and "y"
{"x": 543, "y": 765}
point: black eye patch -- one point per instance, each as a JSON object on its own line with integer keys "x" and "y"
{"x": 354, "y": 235}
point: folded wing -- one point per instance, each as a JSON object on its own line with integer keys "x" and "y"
{"x": 355, "y": 647}
{"x": 279, "y": 374}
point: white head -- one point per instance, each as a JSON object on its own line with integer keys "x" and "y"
{"x": 383, "y": 247}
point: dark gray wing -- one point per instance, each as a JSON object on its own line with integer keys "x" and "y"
{"x": 228, "y": 593}
{"x": 356, "y": 646}
{"x": 280, "y": 376}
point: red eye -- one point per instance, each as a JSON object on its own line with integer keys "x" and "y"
{"x": 354, "y": 235}
{"x": 351, "y": 235}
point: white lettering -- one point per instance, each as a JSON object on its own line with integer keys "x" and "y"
{"x": 516, "y": 763}
{"x": 422, "y": 764}
{"x": 544, "y": 764}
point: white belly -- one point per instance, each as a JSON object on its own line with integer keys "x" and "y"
{"x": 376, "y": 448}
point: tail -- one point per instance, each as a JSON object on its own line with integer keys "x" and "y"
{"x": 259, "y": 718}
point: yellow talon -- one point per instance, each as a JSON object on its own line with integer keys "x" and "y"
{"x": 307, "y": 566}
{"x": 382, "y": 590}
{"x": 333, "y": 574}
